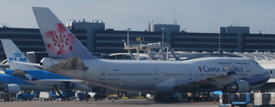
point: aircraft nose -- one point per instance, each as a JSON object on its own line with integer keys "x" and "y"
{"x": 259, "y": 79}
{"x": 266, "y": 75}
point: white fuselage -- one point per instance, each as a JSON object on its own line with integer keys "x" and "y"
{"x": 158, "y": 76}
{"x": 269, "y": 65}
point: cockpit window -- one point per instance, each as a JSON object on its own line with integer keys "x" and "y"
{"x": 256, "y": 62}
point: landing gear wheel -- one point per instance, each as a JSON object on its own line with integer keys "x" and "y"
{"x": 167, "y": 97}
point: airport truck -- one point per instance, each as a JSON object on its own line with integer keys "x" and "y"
{"x": 113, "y": 96}
{"x": 25, "y": 97}
{"x": 80, "y": 96}
{"x": 5, "y": 97}
{"x": 45, "y": 96}
{"x": 237, "y": 99}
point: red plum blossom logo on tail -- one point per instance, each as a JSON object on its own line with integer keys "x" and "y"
{"x": 60, "y": 41}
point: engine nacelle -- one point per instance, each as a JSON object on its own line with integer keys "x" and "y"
{"x": 237, "y": 86}
{"x": 47, "y": 63}
{"x": 12, "y": 88}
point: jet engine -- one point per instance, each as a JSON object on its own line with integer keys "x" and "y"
{"x": 237, "y": 86}
{"x": 47, "y": 63}
{"x": 12, "y": 88}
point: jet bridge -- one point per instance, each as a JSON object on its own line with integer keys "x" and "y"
{"x": 163, "y": 48}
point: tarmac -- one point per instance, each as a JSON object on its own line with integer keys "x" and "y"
{"x": 108, "y": 103}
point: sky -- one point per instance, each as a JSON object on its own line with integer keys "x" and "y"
{"x": 192, "y": 15}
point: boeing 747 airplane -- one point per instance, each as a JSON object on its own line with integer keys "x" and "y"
{"x": 68, "y": 57}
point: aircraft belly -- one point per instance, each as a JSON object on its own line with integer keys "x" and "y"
{"x": 75, "y": 73}
{"x": 49, "y": 84}
{"x": 141, "y": 85}
{"x": 129, "y": 84}
{"x": 32, "y": 87}
{"x": 165, "y": 86}
{"x": 81, "y": 86}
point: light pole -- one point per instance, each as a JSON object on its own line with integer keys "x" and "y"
{"x": 162, "y": 35}
{"x": 219, "y": 40}
{"x": 128, "y": 29}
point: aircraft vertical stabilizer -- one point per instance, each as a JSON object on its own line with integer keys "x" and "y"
{"x": 12, "y": 52}
{"x": 14, "y": 56}
{"x": 59, "y": 41}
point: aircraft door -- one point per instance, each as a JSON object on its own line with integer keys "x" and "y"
{"x": 190, "y": 76}
{"x": 156, "y": 74}
{"x": 102, "y": 74}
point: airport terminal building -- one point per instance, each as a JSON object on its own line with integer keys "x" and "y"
{"x": 97, "y": 39}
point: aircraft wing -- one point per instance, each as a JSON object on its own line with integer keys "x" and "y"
{"x": 70, "y": 63}
{"x": 212, "y": 82}
{"x": 21, "y": 74}
{"x": 63, "y": 80}
{"x": 24, "y": 65}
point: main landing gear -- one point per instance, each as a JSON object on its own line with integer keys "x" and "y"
{"x": 165, "y": 97}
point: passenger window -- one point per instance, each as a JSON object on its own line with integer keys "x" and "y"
{"x": 270, "y": 72}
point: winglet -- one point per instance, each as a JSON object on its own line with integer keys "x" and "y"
{"x": 59, "y": 41}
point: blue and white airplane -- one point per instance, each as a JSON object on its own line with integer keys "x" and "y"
{"x": 68, "y": 57}
{"x": 35, "y": 75}
{"x": 13, "y": 85}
